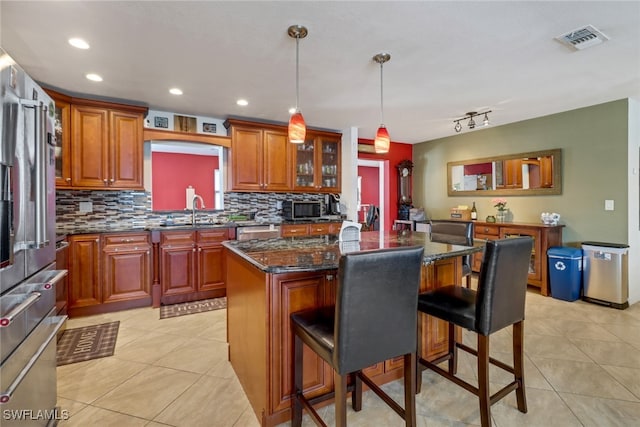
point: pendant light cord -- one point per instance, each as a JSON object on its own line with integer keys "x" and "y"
{"x": 297, "y": 74}
{"x": 381, "y": 97}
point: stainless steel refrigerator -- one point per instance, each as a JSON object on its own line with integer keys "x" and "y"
{"x": 28, "y": 279}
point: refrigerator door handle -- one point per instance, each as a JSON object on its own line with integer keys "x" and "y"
{"x": 40, "y": 114}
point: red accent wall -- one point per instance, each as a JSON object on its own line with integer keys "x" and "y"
{"x": 179, "y": 172}
{"x": 397, "y": 152}
{"x": 370, "y": 194}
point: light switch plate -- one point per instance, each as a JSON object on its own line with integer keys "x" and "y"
{"x": 86, "y": 207}
{"x": 608, "y": 205}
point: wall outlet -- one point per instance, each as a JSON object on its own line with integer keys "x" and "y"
{"x": 86, "y": 207}
{"x": 608, "y": 205}
{"x": 279, "y": 204}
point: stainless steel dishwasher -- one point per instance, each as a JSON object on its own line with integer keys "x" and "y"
{"x": 251, "y": 232}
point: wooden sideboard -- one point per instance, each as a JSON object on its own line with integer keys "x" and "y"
{"x": 544, "y": 237}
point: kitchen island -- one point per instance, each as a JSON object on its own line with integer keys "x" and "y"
{"x": 269, "y": 279}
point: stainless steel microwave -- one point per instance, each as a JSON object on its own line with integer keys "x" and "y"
{"x": 293, "y": 210}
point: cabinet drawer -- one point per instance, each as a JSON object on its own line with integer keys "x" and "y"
{"x": 492, "y": 230}
{"x": 216, "y": 235}
{"x": 177, "y": 238}
{"x": 319, "y": 229}
{"x": 126, "y": 239}
{"x": 294, "y": 230}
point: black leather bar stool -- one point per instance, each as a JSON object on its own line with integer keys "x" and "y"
{"x": 455, "y": 233}
{"x": 374, "y": 319}
{"x": 498, "y": 302}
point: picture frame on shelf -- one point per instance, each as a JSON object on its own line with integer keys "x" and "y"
{"x": 161, "y": 122}
{"x": 209, "y": 127}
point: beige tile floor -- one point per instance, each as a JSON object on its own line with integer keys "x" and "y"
{"x": 582, "y": 368}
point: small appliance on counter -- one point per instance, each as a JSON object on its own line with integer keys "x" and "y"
{"x": 297, "y": 210}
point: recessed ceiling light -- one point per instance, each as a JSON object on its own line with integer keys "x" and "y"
{"x": 175, "y": 91}
{"x": 242, "y": 102}
{"x": 94, "y": 77}
{"x": 79, "y": 43}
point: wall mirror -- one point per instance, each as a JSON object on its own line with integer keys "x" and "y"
{"x": 181, "y": 169}
{"x": 534, "y": 173}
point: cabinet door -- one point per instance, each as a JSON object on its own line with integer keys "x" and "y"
{"x": 178, "y": 264}
{"x": 513, "y": 173}
{"x": 290, "y": 293}
{"x": 63, "y": 142}
{"x": 211, "y": 272}
{"x": 127, "y": 273}
{"x": 89, "y": 151}
{"x": 435, "y": 339}
{"x": 276, "y": 160}
{"x": 535, "y": 269}
{"x": 304, "y": 165}
{"x": 246, "y": 159}
{"x": 84, "y": 270}
{"x": 125, "y": 150}
{"x": 329, "y": 164}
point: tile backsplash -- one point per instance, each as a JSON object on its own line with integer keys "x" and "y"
{"x": 118, "y": 209}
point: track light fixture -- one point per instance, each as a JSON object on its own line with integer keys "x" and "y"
{"x": 471, "y": 124}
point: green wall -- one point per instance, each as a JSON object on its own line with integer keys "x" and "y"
{"x": 594, "y": 143}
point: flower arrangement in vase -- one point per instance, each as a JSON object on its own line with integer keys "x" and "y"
{"x": 500, "y": 204}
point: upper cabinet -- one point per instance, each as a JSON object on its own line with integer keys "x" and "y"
{"x": 317, "y": 163}
{"x": 262, "y": 159}
{"x": 258, "y": 154}
{"x": 100, "y": 144}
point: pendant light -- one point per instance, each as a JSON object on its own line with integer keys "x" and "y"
{"x": 382, "y": 141}
{"x": 297, "y": 126}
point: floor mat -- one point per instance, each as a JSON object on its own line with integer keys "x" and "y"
{"x": 192, "y": 307}
{"x": 89, "y": 342}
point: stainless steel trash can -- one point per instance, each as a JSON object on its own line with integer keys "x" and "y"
{"x": 605, "y": 274}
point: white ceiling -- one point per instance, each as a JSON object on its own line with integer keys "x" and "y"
{"x": 447, "y": 58}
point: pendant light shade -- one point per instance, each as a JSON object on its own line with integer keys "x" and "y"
{"x": 382, "y": 142}
{"x": 297, "y": 126}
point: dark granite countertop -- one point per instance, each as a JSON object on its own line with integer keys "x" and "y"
{"x": 291, "y": 254}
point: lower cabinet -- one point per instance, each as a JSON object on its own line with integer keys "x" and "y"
{"x": 109, "y": 272}
{"x": 191, "y": 265}
{"x": 313, "y": 229}
{"x": 544, "y": 237}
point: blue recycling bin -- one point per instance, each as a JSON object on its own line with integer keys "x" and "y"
{"x": 565, "y": 272}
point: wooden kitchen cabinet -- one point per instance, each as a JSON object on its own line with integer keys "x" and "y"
{"x": 312, "y": 229}
{"x": 544, "y": 237}
{"x": 126, "y": 264}
{"x": 316, "y": 163}
{"x": 109, "y": 272}
{"x": 100, "y": 144}
{"x": 84, "y": 272}
{"x": 191, "y": 265}
{"x": 260, "y": 157}
{"x": 63, "y": 138}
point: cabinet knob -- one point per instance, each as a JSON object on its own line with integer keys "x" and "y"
{"x": 329, "y": 277}
{"x": 199, "y": 249}
{"x": 106, "y": 181}
{"x": 112, "y": 180}
{"x": 68, "y": 179}
{"x": 194, "y": 250}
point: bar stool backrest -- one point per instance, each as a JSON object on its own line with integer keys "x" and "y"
{"x": 453, "y": 232}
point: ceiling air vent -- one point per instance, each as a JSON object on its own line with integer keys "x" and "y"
{"x": 582, "y": 38}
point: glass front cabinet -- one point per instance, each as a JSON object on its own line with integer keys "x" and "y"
{"x": 63, "y": 139}
{"x": 317, "y": 163}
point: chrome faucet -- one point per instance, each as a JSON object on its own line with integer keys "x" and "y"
{"x": 194, "y": 207}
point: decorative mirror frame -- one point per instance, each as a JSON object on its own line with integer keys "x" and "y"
{"x": 556, "y": 173}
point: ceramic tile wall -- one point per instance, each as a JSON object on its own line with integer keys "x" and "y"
{"x": 112, "y": 209}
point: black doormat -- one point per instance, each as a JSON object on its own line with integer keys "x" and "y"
{"x": 90, "y": 342}
{"x": 192, "y": 307}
